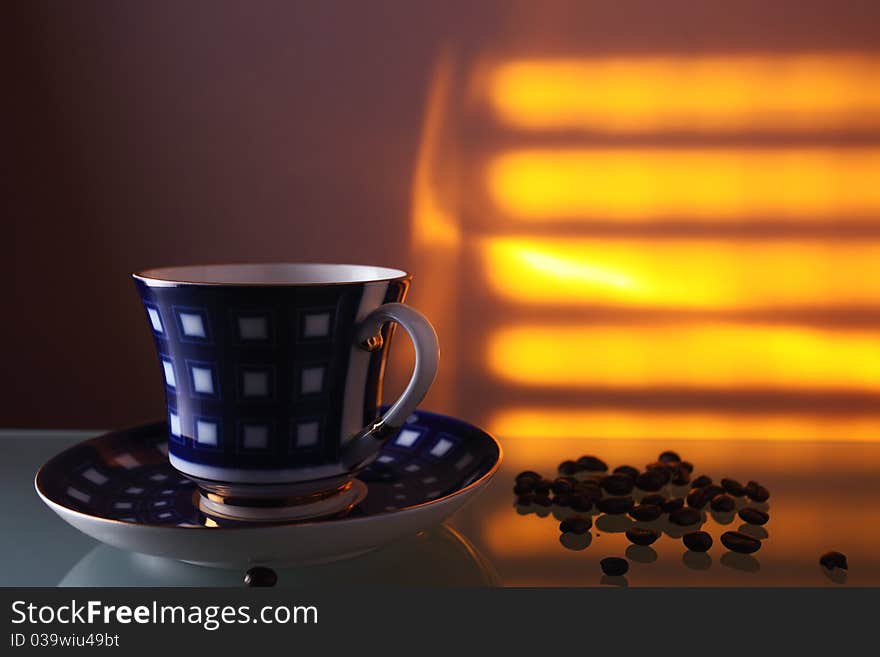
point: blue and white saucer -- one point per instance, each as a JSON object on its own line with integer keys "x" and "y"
{"x": 120, "y": 489}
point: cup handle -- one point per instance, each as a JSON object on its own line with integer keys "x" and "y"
{"x": 364, "y": 447}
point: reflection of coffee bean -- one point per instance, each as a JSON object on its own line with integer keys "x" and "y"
{"x": 617, "y": 484}
{"x": 696, "y": 560}
{"x": 615, "y": 505}
{"x": 562, "y": 485}
{"x": 575, "y": 541}
{"x": 646, "y": 512}
{"x": 641, "y": 535}
{"x": 652, "y": 480}
{"x": 260, "y": 576}
{"x": 669, "y": 457}
{"x": 697, "y": 498}
{"x": 526, "y": 499}
{"x": 739, "y": 542}
{"x": 686, "y": 516}
{"x": 592, "y": 464}
{"x": 757, "y": 492}
{"x": 744, "y": 562}
{"x": 754, "y": 516}
{"x": 614, "y": 566}
{"x": 568, "y": 468}
{"x": 754, "y": 531}
{"x": 656, "y": 499}
{"x": 542, "y": 500}
{"x": 579, "y": 502}
{"x": 671, "y": 504}
{"x": 733, "y": 487}
{"x": 697, "y": 541}
{"x": 831, "y": 560}
{"x": 722, "y": 502}
{"x": 576, "y": 525}
{"x": 701, "y": 482}
{"x": 627, "y": 470}
{"x": 528, "y": 474}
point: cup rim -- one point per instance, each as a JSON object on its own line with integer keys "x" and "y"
{"x": 176, "y": 275}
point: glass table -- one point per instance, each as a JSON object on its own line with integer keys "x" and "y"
{"x": 824, "y": 496}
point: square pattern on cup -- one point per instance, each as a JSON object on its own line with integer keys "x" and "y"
{"x": 255, "y": 436}
{"x": 202, "y": 379}
{"x": 407, "y": 437}
{"x": 306, "y": 434}
{"x": 316, "y": 324}
{"x": 311, "y": 379}
{"x": 192, "y": 324}
{"x": 155, "y": 319}
{"x": 168, "y": 372}
{"x": 252, "y": 328}
{"x": 174, "y": 424}
{"x": 256, "y": 383}
{"x": 207, "y": 433}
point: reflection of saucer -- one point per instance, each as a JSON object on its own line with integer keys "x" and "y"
{"x": 437, "y": 557}
{"x": 120, "y": 489}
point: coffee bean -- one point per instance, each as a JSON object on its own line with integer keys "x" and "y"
{"x": 576, "y": 525}
{"x": 712, "y": 490}
{"x": 543, "y": 486}
{"x": 757, "y": 492}
{"x": 669, "y": 457}
{"x": 652, "y": 480}
{"x": 627, "y": 470}
{"x": 733, "y": 487}
{"x": 681, "y": 477}
{"x": 528, "y": 474}
{"x": 580, "y": 503}
{"x": 592, "y": 493}
{"x": 617, "y": 484}
{"x": 654, "y": 498}
{"x": 701, "y": 482}
{"x": 568, "y": 468}
{"x": 641, "y": 536}
{"x": 697, "y": 498}
{"x": 687, "y": 466}
{"x": 592, "y": 464}
{"x": 754, "y": 516}
{"x": 542, "y": 500}
{"x": 739, "y": 542}
{"x": 525, "y": 500}
{"x": 722, "y": 502}
{"x": 260, "y": 576}
{"x": 562, "y": 500}
{"x": 832, "y": 560}
{"x": 614, "y": 566}
{"x": 697, "y": 541}
{"x": 646, "y": 512}
{"x": 524, "y": 486}
{"x": 561, "y": 485}
{"x": 671, "y": 504}
{"x": 615, "y": 505}
{"x": 685, "y": 516}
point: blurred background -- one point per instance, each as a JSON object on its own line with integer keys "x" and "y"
{"x": 627, "y": 220}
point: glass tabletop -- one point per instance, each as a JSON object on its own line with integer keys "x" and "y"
{"x": 824, "y": 496}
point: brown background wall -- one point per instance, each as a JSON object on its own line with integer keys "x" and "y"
{"x": 138, "y": 134}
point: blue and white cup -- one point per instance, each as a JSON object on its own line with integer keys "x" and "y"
{"x": 273, "y": 372}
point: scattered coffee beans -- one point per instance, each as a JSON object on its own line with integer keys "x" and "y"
{"x": 562, "y": 500}
{"x": 641, "y": 536}
{"x": 697, "y": 541}
{"x": 687, "y": 466}
{"x": 568, "y": 468}
{"x": 617, "y": 484}
{"x": 654, "y": 498}
{"x": 757, "y": 492}
{"x": 832, "y": 560}
{"x": 543, "y": 486}
{"x": 260, "y": 576}
{"x": 542, "y": 500}
{"x": 615, "y": 505}
{"x": 627, "y": 470}
{"x": 685, "y": 516}
{"x": 670, "y": 505}
{"x": 614, "y": 566}
{"x": 580, "y": 503}
{"x": 697, "y": 498}
{"x": 722, "y": 502}
{"x": 526, "y": 499}
{"x": 754, "y": 516}
{"x": 592, "y": 464}
{"x": 739, "y": 542}
{"x": 733, "y": 487}
{"x": 575, "y": 525}
{"x": 528, "y": 474}
{"x": 562, "y": 485}
{"x": 680, "y": 477}
{"x": 646, "y": 512}
{"x": 524, "y": 486}
{"x": 701, "y": 482}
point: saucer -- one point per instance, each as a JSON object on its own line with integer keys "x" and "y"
{"x": 120, "y": 489}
